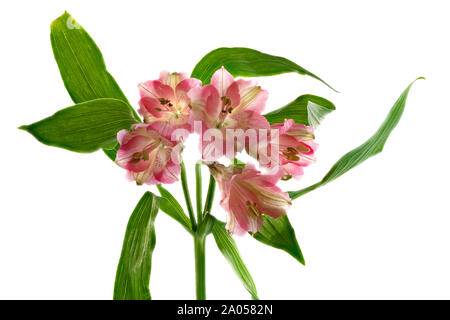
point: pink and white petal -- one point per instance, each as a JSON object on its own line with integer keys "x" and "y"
{"x": 187, "y": 84}
{"x": 163, "y": 91}
{"x": 169, "y": 174}
{"x": 163, "y": 76}
{"x": 142, "y": 177}
{"x": 283, "y": 127}
{"x": 212, "y": 102}
{"x": 239, "y": 198}
{"x": 239, "y": 211}
{"x": 123, "y": 136}
{"x": 301, "y": 132}
{"x": 312, "y": 145}
{"x": 146, "y": 89}
{"x": 257, "y": 121}
{"x": 293, "y": 169}
{"x": 195, "y": 95}
{"x": 233, "y": 94}
{"x": 246, "y": 84}
{"x": 206, "y": 106}
{"x": 222, "y": 79}
{"x": 139, "y": 166}
{"x": 254, "y": 102}
{"x": 233, "y": 226}
{"x": 247, "y": 120}
{"x": 285, "y": 141}
{"x": 262, "y": 180}
{"x": 274, "y": 212}
{"x": 134, "y": 144}
{"x": 163, "y": 128}
{"x": 174, "y": 79}
{"x": 252, "y": 96}
{"x": 182, "y": 90}
{"x": 150, "y": 106}
{"x": 301, "y": 127}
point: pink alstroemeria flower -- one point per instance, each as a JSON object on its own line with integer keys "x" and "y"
{"x": 148, "y": 156}
{"x": 227, "y": 103}
{"x": 247, "y": 194}
{"x": 166, "y": 99}
{"x": 296, "y": 147}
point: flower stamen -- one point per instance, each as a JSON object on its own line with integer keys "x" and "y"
{"x": 252, "y": 209}
{"x": 164, "y": 101}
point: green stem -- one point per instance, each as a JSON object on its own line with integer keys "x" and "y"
{"x": 199, "y": 239}
{"x": 200, "y": 280}
{"x": 198, "y": 189}
{"x": 187, "y": 197}
{"x": 210, "y": 195}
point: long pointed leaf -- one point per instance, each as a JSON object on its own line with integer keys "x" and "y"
{"x": 227, "y": 246}
{"x": 82, "y": 67}
{"x": 133, "y": 271}
{"x": 278, "y": 233}
{"x": 172, "y": 208}
{"x": 84, "y": 127}
{"x": 368, "y": 149}
{"x": 307, "y": 109}
{"x": 246, "y": 62}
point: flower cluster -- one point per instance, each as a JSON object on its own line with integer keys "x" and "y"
{"x": 227, "y": 115}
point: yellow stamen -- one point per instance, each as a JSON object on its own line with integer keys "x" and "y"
{"x": 252, "y": 210}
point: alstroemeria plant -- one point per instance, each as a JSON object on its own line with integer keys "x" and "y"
{"x": 226, "y": 111}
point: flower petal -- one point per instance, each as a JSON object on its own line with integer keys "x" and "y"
{"x": 222, "y": 79}
{"x": 171, "y": 79}
{"x": 182, "y": 90}
{"x": 252, "y": 96}
{"x": 156, "y": 89}
{"x": 233, "y": 94}
{"x": 150, "y": 107}
{"x": 205, "y": 104}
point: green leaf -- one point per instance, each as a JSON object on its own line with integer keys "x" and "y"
{"x": 227, "y": 246}
{"x": 172, "y": 207}
{"x": 85, "y": 127}
{"x": 307, "y": 109}
{"x": 111, "y": 153}
{"x": 278, "y": 233}
{"x": 133, "y": 272}
{"x": 81, "y": 65}
{"x": 368, "y": 149}
{"x": 246, "y": 62}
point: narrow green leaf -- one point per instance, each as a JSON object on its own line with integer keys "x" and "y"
{"x": 307, "y": 109}
{"x": 227, "y": 246}
{"x": 172, "y": 207}
{"x": 133, "y": 272}
{"x": 82, "y": 67}
{"x": 81, "y": 63}
{"x": 246, "y": 62}
{"x": 278, "y": 233}
{"x": 368, "y": 149}
{"x": 85, "y": 127}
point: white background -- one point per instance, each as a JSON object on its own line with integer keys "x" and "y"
{"x": 380, "y": 231}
